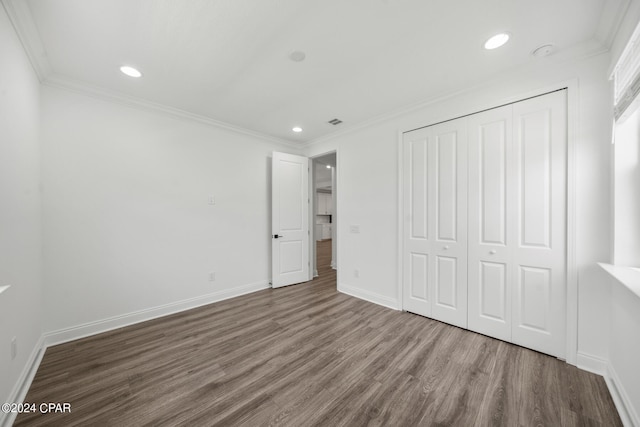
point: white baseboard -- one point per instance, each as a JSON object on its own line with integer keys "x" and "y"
{"x": 597, "y": 365}
{"x": 21, "y": 387}
{"x": 104, "y": 325}
{"x": 628, "y": 413}
{"x": 591, "y": 363}
{"x": 369, "y": 296}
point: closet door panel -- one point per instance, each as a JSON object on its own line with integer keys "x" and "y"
{"x": 418, "y": 279}
{"x": 418, "y": 182}
{"x": 534, "y": 147}
{"x": 539, "y": 298}
{"x": 446, "y": 168}
{"x": 447, "y": 282}
{"x": 416, "y": 206}
{"x": 449, "y": 247}
{"x": 435, "y": 235}
{"x": 493, "y": 291}
{"x": 490, "y": 222}
{"x": 534, "y": 288}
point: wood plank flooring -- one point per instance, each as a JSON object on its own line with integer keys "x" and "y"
{"x": 307, "y": 355}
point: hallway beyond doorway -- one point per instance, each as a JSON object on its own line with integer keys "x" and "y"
{"x": 323, "y": 260}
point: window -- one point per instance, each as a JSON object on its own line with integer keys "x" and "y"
{"x": 626, "y": 191}
{"x": 626, "y": 155}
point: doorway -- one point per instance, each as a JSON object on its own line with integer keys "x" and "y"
{"x": 324, "y": 214}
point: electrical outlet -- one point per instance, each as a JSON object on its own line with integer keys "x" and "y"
{"x": 212, "y": 200}
{"x": 356, "y": 273}
{"x": 14, "y": 347}
{"x": 212, "y": 276}
{"x": 354, "y": 229}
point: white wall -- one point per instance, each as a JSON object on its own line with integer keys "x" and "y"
{"x": 20, "y": 210}
{"x": 624, "y": 342}
{"x": 128, "y": 227}
{"x": 368, "y": 181}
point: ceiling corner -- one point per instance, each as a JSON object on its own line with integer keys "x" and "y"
{"x": 22, "y": 20}
{"x": 613, "y": 12}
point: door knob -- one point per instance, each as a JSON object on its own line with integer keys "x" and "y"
{"x": 275, "y": 236}
{"x": 492, "y": 251}
{"x": 445, "y": 247}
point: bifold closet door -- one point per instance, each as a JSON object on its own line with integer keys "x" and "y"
{"x": 435, "y": 223}
{"x": 517, "y": 223}
{"x": 539, "y": 255}
{"x": 492, "y": 218}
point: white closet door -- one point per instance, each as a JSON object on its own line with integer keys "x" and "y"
{"x": 491, "y": 222}
{"x": 435, "y": 203}
{"x": 449, "y": 246}
{"x": 417, "y": 237}
{"x": 517, "y": 162}
{"x": 539, "y": 276}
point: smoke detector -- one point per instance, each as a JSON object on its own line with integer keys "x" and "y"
{"x": 297, "y": 56}
{"x": 544, "y": 50}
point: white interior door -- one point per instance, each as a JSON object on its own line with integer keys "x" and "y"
{"x": 435, "y": 204}
{"x": 491, "y": 222}
{"x": 539, "y": 276}
{"x": 290, "y": 219}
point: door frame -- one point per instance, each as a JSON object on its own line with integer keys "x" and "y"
{"x": 571, "y": 268}
{"x": 312, "y": 210}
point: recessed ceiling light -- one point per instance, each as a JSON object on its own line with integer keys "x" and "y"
{"x": 130, "y": 71}
{"x": 297, "y": 129}
{"x": 496, "y": 41}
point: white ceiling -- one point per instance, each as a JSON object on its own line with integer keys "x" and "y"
{"x": 227, "y": 60}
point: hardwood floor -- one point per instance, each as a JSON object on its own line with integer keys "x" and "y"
{"x": 307, "y": 355}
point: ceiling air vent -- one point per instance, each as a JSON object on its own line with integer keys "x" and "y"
{"x": 335, "y": 122}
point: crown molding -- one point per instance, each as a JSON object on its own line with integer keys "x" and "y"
{"x": 629, "y": 29}
{"x": 610, "y": 22}
{"x": 22, "y": 20}
{"x": 20, "y": 16}
{"x": 579, "y": 52}
{"x": 407, "y": 109}
{"x": 65, "y": 83}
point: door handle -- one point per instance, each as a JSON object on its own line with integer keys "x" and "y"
{"x": 446, "y": 247}
{"x": 276, "y": 236}
{"x": 492, "y": 251}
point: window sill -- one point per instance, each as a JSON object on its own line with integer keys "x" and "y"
{"x": 628, "y": 276}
